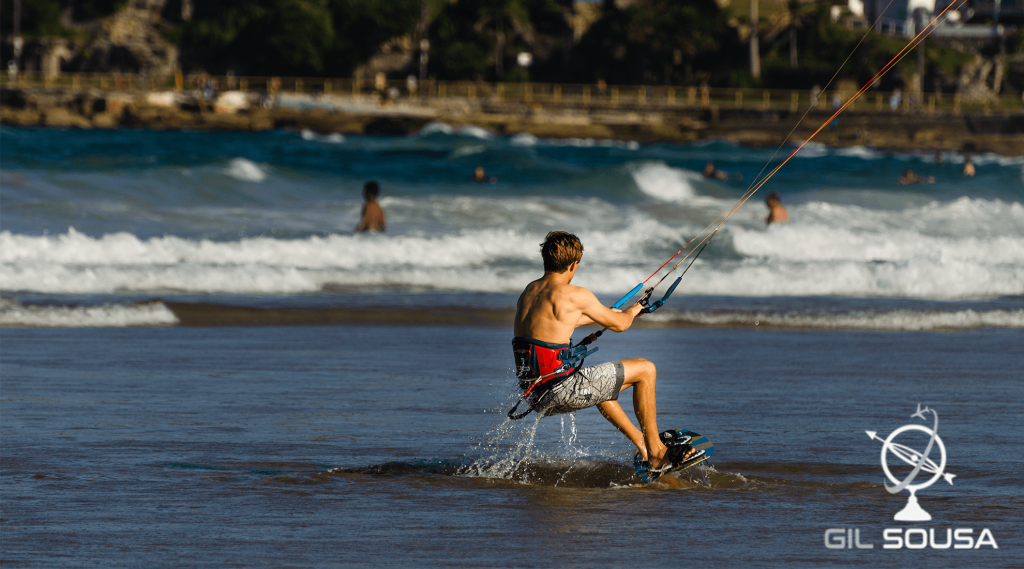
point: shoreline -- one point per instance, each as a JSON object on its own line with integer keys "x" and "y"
{"x": 1000, "y": 132}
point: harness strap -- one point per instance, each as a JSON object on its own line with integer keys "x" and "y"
{"x": 572, "y": 358}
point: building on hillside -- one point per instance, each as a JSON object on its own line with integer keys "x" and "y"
{"x": 905, "y": 17}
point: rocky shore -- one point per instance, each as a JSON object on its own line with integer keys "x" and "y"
{"x": 998, "y": 131}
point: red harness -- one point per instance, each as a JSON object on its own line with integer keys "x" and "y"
{"x": 538, "y": 363}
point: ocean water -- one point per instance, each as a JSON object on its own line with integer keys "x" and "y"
{"x": 202, "y": 365}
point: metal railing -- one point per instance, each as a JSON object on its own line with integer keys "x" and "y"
{"x": 537, "y": 95}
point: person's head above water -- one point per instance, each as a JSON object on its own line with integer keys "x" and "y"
{"x": 371, "y": 190}
{"x": 773, "y": 197}
{"x": 560, "y": 250}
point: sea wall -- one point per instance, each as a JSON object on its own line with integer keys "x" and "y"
{"x": 904, "y": 129}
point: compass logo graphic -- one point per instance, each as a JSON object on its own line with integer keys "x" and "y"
{"x": 921, "y": 461}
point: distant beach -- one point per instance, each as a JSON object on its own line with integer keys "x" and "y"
{"x": 904, "y": 129}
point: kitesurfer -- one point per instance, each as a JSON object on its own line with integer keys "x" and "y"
{"x": 546, "y": 314}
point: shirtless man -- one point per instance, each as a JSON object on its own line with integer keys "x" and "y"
{"x": 776, "y": 213}
{"x": 373, "y": 216}
{"x": 969, "y": 169}
{"x": 547, "y": 313}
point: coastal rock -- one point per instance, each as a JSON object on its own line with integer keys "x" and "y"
{"x": 974, "y": 81}
{"x": 19, "y": 117}
{"x": 127, "y": 41}
{"x": 167, "y": 99}
{"x": 62, "y": 117}
{"x": 231, "y": 102}
{"x": 106, "y": 120}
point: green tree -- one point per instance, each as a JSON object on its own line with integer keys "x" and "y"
{"x": 361, "y": 26}
{"x": 473, "y": 38}
{"x": 650, "y": 41}
{"x": 288, "y": 37}
{"x": 39, "y": 18}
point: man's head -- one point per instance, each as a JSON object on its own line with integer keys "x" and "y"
{"x": 773, "y": 199}
{"x": 560, "y": 250}
{"x": 371, "y": 190}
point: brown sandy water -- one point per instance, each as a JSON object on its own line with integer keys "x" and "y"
{"x": 327, "y": 446}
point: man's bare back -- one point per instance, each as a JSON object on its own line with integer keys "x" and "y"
{"x": 372, "y": 218}
{"x": 550, "y": 309}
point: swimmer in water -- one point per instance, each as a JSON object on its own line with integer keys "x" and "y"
{"x": 480, "y": 176}
{"x": 909, "y": 178}
{"x": 776, "y": 213}
{"x": 711, "y": 172}
{"x": 969, "y": 170}
{"x": 373, "y": 215}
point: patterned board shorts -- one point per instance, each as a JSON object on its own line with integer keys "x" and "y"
{"x": 585, "y": 388}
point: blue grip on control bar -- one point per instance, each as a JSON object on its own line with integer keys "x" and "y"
{"x": 628, "y": 296}
{"x": 672, "y": 288}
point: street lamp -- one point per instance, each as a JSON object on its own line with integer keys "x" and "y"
{"x": 524, "y": 59}
{"x": 424, "y": 57}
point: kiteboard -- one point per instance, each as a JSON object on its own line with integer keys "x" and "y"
{"x": 676, "y": 440}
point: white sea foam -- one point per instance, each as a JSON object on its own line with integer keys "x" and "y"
{"x": 245, "y": 170}
{"x": 496, "y": 260}
{"x": 436, "y": 127}
{"x": 334, "y": 138}
{"x": 590, "y": 143}
{"x": 467, "y": 150}
{"x": 523, "y": 139}
{"x": 960, "y": 249}
{"x": 475, "y": 132}
{"x": 990, "y": 158}
{"x": 858, "y": 152}
{"x": 897, "y": 320}
{"x": 811, "y": 150}
{"x": 13, "y": 313}
{"x": 663, "y": 182}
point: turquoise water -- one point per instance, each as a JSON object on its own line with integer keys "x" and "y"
{"x": 104, "y": 218}
{"x": 202, "y": 365}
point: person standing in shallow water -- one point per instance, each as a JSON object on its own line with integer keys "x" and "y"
{"x": 547, "y": 313}
{"x": 373, "y": 216}
{"x": 969, "y": 170}
{"x": 776, "y": 213}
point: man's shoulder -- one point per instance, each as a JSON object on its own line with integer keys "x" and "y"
{"x": 576, "y": 294}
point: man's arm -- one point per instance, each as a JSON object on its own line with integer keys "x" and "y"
{"x": 596, "y": 312}
{"x": 584, "y": 320}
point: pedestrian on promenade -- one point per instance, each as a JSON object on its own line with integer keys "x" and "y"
{"x": 895, "y": 99}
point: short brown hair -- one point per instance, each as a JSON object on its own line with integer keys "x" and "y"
{"x": 559, "y": 250}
